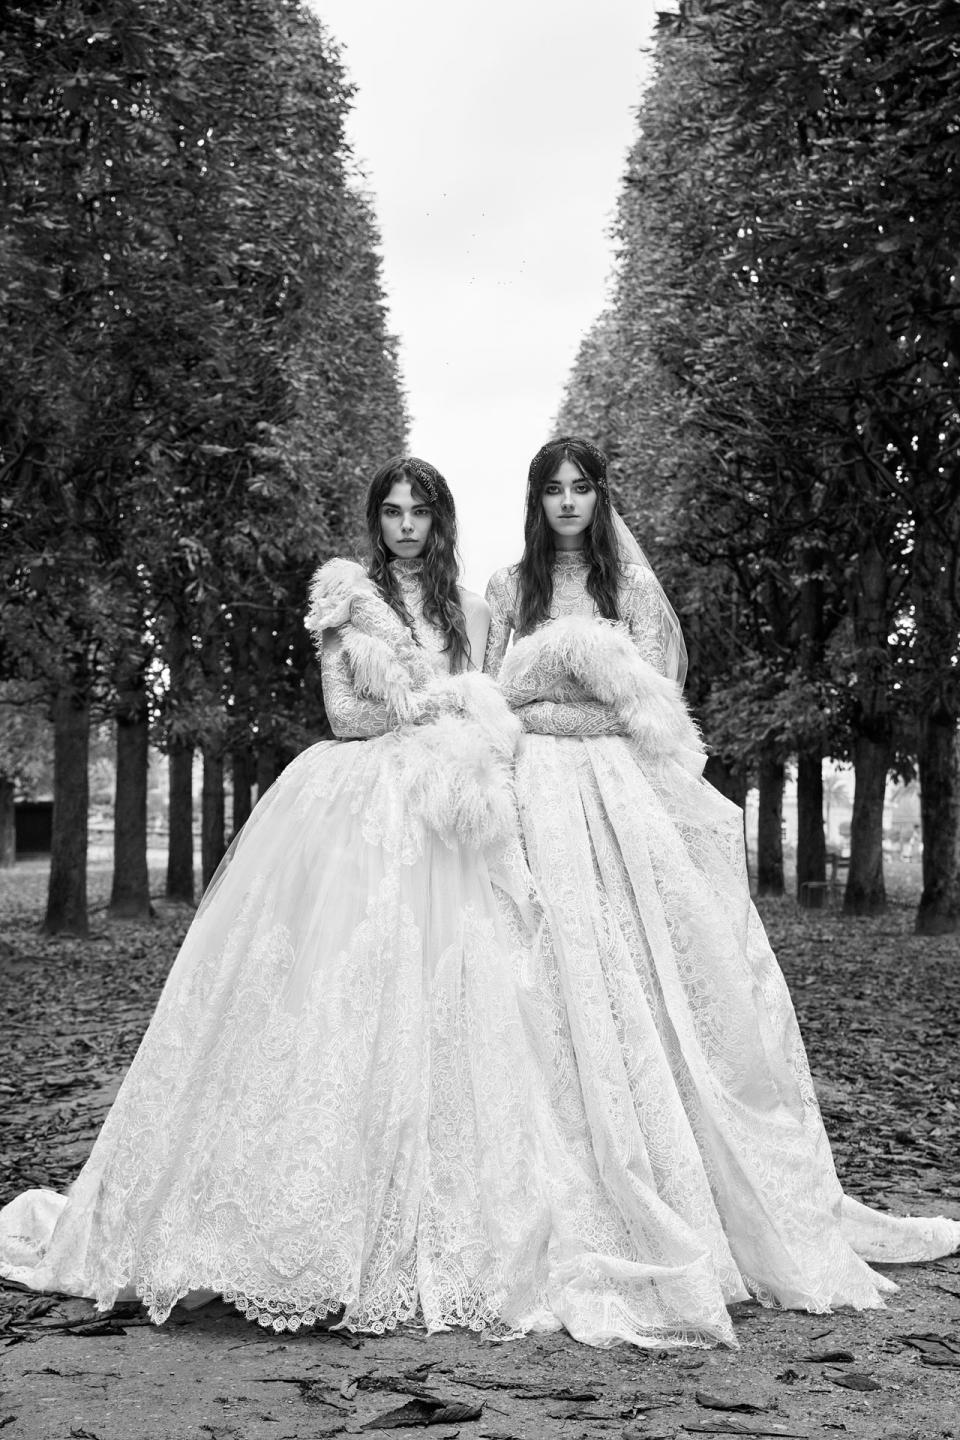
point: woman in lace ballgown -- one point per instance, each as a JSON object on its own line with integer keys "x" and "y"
{"x": 314, "y": 1121}
{"x": 662, "y": 1021}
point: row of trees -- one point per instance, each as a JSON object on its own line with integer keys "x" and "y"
{"x": 777, "y": 380}
{"x": 195, "y": 382}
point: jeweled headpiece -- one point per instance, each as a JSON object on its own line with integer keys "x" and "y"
{"x": 425, "y": 476}
{"x": 568, "y": 442}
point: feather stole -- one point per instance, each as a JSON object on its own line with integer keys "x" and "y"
{"x": 601, "y": 658}
{"x": 457, "y": 735}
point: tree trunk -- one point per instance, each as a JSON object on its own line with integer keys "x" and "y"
{"x": 262, "y": 642}
{"x": 213, "y": 817}
{"x": 731, "y": 781}
{"x": 770, "y": 826}
{"x": 130, "y": 896}
{"x": 811, "y": 842}
{"x": 728, "y": 779}
{"x": 180, "y": 774}
{"x": 180, "y": 837}
{"x": 872, "y": 727}
{"x": 935, "y": 583}
{"x": 242, "y": 770}
{"x": 939, "y": 757}
{"x": 267, "y": 768}
{"x": 8, "y": 825}
{"x": 865, "y": 893}
{"x": 67, "y": 891}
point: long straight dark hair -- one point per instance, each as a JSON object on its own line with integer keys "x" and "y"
{"x": 442, "y": 606}
{"x": 534, "y": 571}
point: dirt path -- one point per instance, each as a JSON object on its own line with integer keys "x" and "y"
{"x": 880, "y": 1010}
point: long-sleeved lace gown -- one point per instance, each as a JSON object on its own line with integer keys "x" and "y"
{"x": 338, "y": 1105}
{"x": 661, "y": 1018}
{"x": 331, "y": 1107}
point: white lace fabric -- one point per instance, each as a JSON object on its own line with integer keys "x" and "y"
{"x": 337, "y": 1106}
{"x": 397, "y": 1075}
{"x": 658, "y": 1008}
{"x": 355, "y": 716}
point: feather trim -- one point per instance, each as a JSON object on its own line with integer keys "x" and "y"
{"x": 332, "y": 589}
{"x": 458, "y": 734}
{"x": 457, "y": 781}
{"x": 601, "y": 657}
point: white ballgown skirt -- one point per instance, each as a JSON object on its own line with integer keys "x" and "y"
{"x": 672, "y": 1051}
{"x": 315, "y": 1118}
{"x": 378, "y": 1084}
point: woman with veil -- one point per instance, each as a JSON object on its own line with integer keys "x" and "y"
{"x": 661, "y": 1019}
{"x": 338, "y": 1109}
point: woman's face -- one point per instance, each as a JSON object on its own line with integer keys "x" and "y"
{"x": 405, "y": 521}
{"x": 568, "y": 502}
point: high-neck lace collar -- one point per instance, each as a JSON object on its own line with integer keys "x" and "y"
{"x": 569, "y": 560}
{"x": 407, "y": 573}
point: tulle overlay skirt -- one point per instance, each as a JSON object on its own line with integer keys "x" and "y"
{"x": 385, "y": 1080}
{"x": 337, "y": 1106}
{"x": 666, "y": 1032}
{"x": 332, "y": 1106}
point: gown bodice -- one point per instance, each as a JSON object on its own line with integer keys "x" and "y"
{"x": 409, "y": 577}
{"x": 352, "y": 716}
{"x": 638, "y": 600}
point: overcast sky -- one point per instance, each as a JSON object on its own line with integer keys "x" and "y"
{"x": 492, "y": 137}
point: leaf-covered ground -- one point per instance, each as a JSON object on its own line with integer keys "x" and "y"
{"x": 880, "y": 1010}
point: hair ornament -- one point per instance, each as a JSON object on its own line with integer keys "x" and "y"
{"x": 424, "y": 475}
{"x": 568, "y": 441}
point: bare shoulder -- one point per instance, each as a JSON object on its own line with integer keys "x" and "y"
{"x": 474, "y": 605}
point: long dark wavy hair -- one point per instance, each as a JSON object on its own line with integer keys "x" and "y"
{"x": 534, "y": 571}
{"x": 442, "y": 606}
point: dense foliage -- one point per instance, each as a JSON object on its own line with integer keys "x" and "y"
{"x": 195, "y": 382}
{"x": 777, "y": 383}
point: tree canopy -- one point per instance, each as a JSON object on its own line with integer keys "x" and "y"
{"x": 196, "y": 376}
{"x": 776, "y": 382}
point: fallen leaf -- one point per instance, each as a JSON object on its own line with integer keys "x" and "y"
{"x": 854, "y": 1380}
{"x": 737, "y": 1427}
{"x": 37, "y": 1307}
{"x": 641, "y": 1403}
{"x": 95, "y": 1327}
{"x": 571, "y": 1411}
{"x": 935, "y": 1349}
{"x": 730, "y": 1402}
{"x": 534, "y": 1392}
{"x": 424, "y": 1412}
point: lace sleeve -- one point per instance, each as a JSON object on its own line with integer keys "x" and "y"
{"x": 501, "y": 593}
{"x": 643, "y": 617}
{"x": 350, "y": 717}
{"x": 576, "y": 718}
